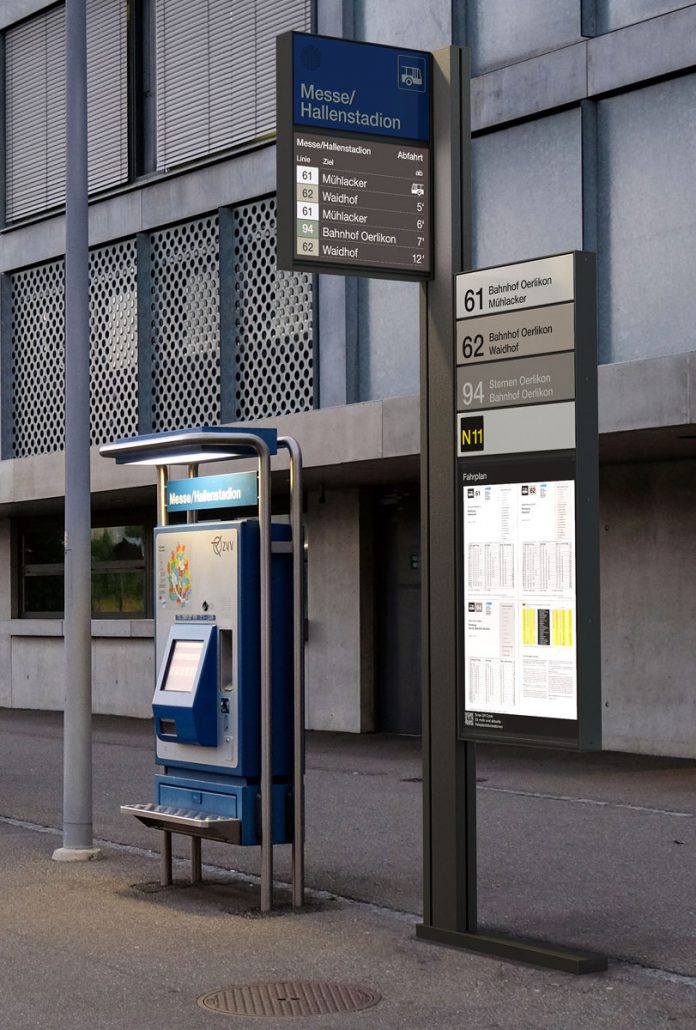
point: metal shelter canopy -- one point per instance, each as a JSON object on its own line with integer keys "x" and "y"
{"x": 216, "y": 443}
{"x": 191, "y": 446}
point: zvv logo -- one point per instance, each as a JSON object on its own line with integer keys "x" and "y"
{"x": 220, "y": 545}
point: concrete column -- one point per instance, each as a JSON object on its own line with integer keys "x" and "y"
{"x": 648, "y": 541}
{"x": 6, "y": 612}
{"x": 7, "y": 576}
{"x": 340, "y": 653}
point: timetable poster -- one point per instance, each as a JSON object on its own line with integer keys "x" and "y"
{"x": 519, "y": 613}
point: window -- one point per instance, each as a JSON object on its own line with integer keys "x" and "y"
{"x": 120, "y": 570}
{"x": 35, "y": 106}
{"x": 200, "y": 77}
{"x": 216, "y": 72}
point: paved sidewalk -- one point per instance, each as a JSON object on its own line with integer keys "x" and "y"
{"x": 597, "y": 851}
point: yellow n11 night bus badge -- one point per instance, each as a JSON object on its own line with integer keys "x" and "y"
{"x": 470, "y": 428}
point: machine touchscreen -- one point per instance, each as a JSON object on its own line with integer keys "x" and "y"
{"x": 184, "y": 661}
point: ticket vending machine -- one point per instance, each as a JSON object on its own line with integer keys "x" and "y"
{"x": 207, "y": 699}
{"x": 228, "y": 704}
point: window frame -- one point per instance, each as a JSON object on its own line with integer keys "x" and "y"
{"x": 100, "y": 520}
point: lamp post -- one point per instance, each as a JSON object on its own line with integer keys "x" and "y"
{"x": 77, "y": 721}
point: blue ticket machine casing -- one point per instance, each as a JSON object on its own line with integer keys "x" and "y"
{"x": 207, "y": 701}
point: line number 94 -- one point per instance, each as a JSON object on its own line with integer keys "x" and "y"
{"x": 472, "y": 393}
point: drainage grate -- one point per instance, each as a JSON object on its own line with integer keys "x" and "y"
{"x": 289, "y": 998}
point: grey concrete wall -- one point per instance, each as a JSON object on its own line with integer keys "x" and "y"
{"x": 549, "y": 221}
{"x": 332, "y": 440}
{"x": 31, "y": 666}
{"x": 123, "y": 676}
{"x": 502, "y": 33}
{"x": 340, "y": 651}
{"x": 616, "y": 14}
{"x": 13, "y": 10}
{"x": 647, "y": 221}
{"x": 388, "y": 346}
{"x": 171, "y": 197}
{"x": 408, "y": 23}
{"x": 624, "y": 59}
{"x": 648, "y": 548}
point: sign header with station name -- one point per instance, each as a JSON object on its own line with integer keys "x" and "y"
{"x": 236, "y": 490}
{"x": 529, "y": 284}
{"x": 362, "y": 88}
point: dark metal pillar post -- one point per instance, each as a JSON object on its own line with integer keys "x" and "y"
{"x": 448, "y": 766}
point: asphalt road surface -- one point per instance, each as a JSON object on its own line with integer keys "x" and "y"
{"x": 595, "y": 851}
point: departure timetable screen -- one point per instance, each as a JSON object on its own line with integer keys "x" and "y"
{"x": 362, "y": 201}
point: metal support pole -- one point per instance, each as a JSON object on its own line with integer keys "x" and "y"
{"x": 162, "y": 520}
{"x": 192, "y": 516}
{"x": 449, "y": 830}
{"x": 77, "y": 747}
{"x": 166, "y": 859}
{"x": 162, "y": 480}
{"x": 298, "y": 668}
{"x": 196, "y": 860}
{"x": 266, "y": 684}
{"x": 449, "y": 764}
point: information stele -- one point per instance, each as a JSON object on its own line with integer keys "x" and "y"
{"x": 353, "y": 158}
{"x": 526, "y": 428}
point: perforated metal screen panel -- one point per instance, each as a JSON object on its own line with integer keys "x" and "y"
{"x": 185, "y": 325}
{"x": 273, "y": 325}
{"x": 113, "y": 342}
{"x": 268, "y": 341}
{"x": 37, "y": 360}
{"x": 38, "y": 351}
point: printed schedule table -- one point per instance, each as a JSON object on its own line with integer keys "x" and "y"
{"x": 362, "y": 201}
{"x": 526, "y": 423}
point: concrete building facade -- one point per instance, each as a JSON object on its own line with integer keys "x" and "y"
{"x": 583, "y": 138}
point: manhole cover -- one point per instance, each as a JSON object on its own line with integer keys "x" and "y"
{"x": 289, "y": 998}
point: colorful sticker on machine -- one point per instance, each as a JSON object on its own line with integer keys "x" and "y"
{"x": 179, "y": 576}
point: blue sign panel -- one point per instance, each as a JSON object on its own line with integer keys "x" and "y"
{"x": 237, "y": 490}
{"x": 361, "y": 87}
